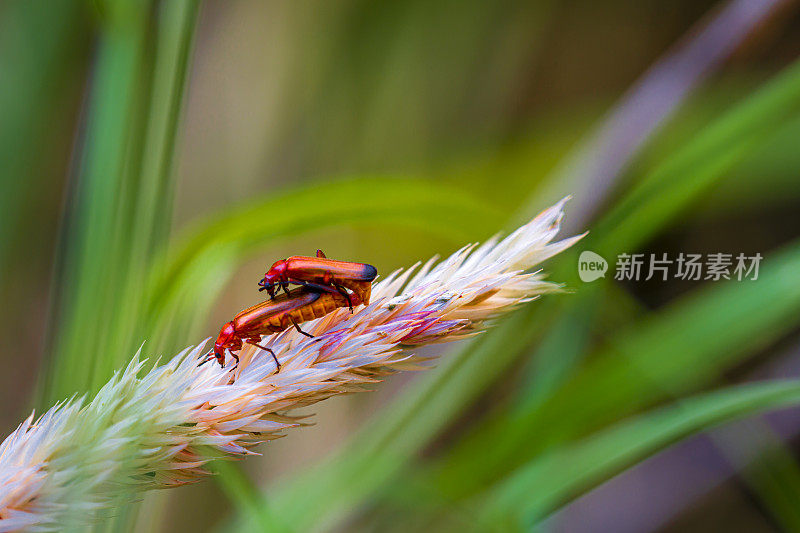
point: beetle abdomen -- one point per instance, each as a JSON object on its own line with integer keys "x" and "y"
{"x": 362, "y": 289}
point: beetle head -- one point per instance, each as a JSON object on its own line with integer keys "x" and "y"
{"x": 273, "y": 277}
{"x": 226, "y": 340}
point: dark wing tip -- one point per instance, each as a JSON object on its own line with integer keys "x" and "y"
{"x": 369, "y": 272}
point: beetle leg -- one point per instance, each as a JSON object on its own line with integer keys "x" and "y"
{"x": 346, "y": 295}
{"x": 237, "y": 362}
{"x": 297, "y": 327}
{"x": 277, "y": 364}
{"x": 326, "y": 288}
{"x": 285, "y": 286}
{"x": 312, "y": 285}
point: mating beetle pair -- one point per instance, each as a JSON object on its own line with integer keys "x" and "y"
{"x": 324, "y": 285}
{"x": 322, "y": 274}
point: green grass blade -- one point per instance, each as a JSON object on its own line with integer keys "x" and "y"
{"x": 671, "y": 187}
{"x": 615, "y": 229}
{"x": 561, "y": 349}
{"x": 122, "y": 208}
{"x": 678, "y": 349}
{"x": 91, "y": 265}
{"x": 43, "y": 53}
{"x": 540, "y": 486}
{"x": 420, "y": 414}
{"x": 768, "y": 467}
{"x": 152, "y": 210}
{"x": 245, "y": 496}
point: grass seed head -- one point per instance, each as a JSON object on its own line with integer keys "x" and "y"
{"x": 158, "y": 429}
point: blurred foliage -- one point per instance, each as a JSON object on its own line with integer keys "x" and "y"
{"x": 392, "y": 130}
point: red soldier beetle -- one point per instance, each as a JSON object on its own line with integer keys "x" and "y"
{"x": 273, "y": 316}
{"x": 322, "y": 274}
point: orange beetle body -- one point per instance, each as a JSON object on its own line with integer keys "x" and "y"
{"x": 273, "y": 316}
{"x": 322, "y": 274}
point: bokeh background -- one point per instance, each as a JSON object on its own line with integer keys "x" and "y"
{"x": 155, "y": 157}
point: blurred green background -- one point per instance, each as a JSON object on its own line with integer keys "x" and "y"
{"x": 157, "y": 156}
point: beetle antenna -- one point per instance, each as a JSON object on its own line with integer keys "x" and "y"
{"x": 207, "y": 359}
